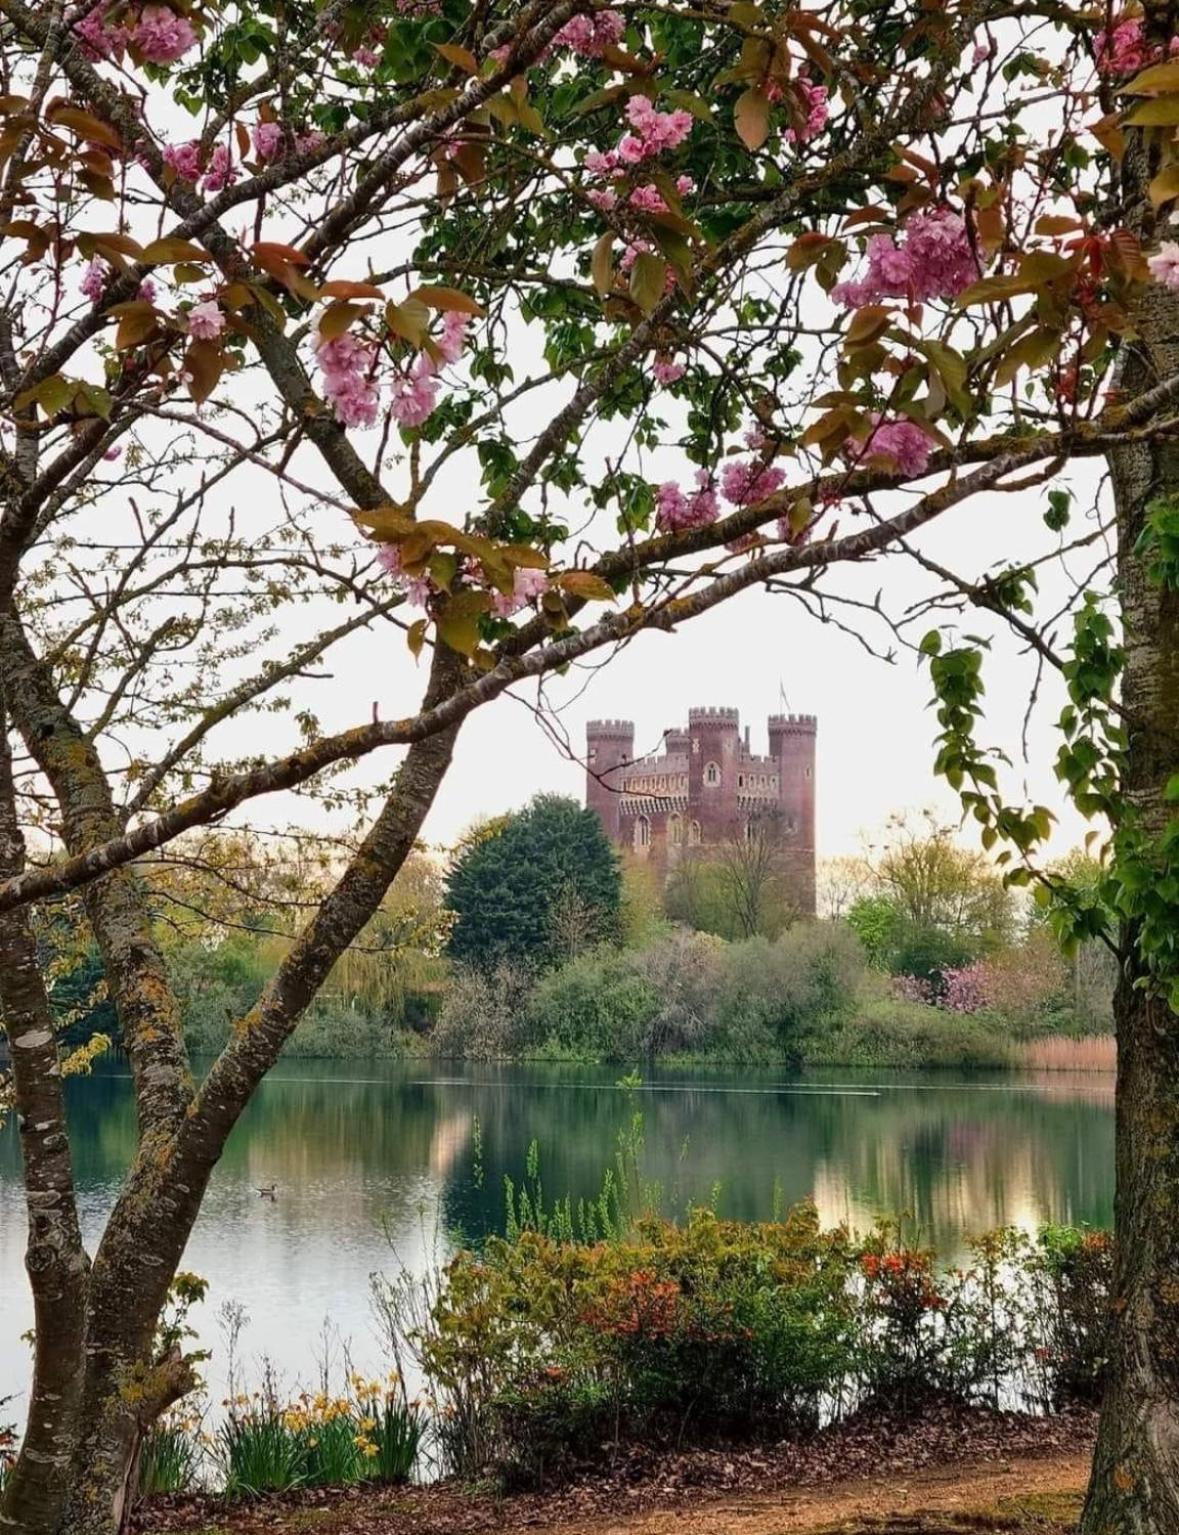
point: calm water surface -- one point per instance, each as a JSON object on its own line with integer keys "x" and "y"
{"x": 379, "y": 1164}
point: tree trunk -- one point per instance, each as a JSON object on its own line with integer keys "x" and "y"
{"x": 126, "y": 1387}
{"x": 1135, "y": 1482}
{"x": 54, "y": 1258}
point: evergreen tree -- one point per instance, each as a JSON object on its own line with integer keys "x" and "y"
{"x": 543, "y": 886}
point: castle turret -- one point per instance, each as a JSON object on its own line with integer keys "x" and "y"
{"x": 792, "y": 745}
{"x": 713, "y": 761}
{"x": 609, "y": 746}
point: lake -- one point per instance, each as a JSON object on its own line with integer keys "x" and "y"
{"x": 378, "y": 1164}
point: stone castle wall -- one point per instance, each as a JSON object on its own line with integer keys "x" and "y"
{"x": 707, "y": 786}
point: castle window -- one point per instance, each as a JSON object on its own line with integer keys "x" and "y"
{"x": 712, "y": 775}
{"x": 694, "y": 833}
{"x": 675, "y": 830}
{"x": 808, "y": 773}
{"x": 740, "y": 781}
{"x": 642, "y": 832}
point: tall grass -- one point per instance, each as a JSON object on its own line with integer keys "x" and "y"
{"x": 1096, "y": 1052}
{"x": 257, "y": 1453}
{"x": 170, "y": 1459}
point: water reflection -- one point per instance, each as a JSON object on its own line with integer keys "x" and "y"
{"x": 366, "y": 1157}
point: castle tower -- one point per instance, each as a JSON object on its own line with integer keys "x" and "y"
{"x": 792, "y": 746}
{"x": 609, "y": 744}
{"x": 713, "y": 760}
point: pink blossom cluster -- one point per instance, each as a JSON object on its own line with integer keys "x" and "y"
{"x": 813, "y": 100}
{"x": 965, "y": 990}
{"x": 348, "y": 365}
{"x": 206, "y": 321}
{"x": 677, "y": 509}
{"x": 94, "y": 280}
{"x": 591, "y": 36}
{"x": 935, "y": 261}
{"x": 912, "y": 988}
{"x": 666, "y": 371}
{"x": 902, "y": 441}
{"x": 415, "y": 394}
{"x": 527, "y": 585}
{"x": 416, "y": 588}
{"x": 745, "y": 484}
{"x": 1164, "y": 265}
{"x": 648, "y": 199}
{"x": 271, "y": 139}
{"x": 1124, "y": 50}
{"x": 161, "y": 35}
{"x": 185, "y": 160}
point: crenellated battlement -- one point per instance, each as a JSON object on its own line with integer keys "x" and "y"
{"x": 613, "y": 729}
{"x": 714, "y": 716}
{"x": 793, "y": 724}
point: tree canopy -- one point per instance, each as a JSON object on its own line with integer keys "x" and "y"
{"x": 340, "y": 338}
{"x": 540, "y": 886}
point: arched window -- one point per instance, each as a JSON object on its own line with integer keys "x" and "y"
{"x": 675, "y": 830}
{"x": 740, "y": 781}
{"x": 694, "y": 833}
{"x": 642, "y": 832}
{"x": 712, "y": 775}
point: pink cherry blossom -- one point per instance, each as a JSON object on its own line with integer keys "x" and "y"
{"x": 934, "y": 261}
{"x": 902, "y": 441}
{"x": 603, "y": 199}
{"x": 162, "y": 36}
{"x": 983, "y": 50}
{"x": 307, "y": 143}
{"x": 527, "y": 585}
{"x": 591, "y": 36}
{"x": 221, "y": 172}
{"x": 657, "y": 131}
{"x": 185, "y": 159}
{"x": 1124, "y": 51}
{"x": 454, "y": 335}
{"x": 744, "y": 484}
{"x": 94, "y": 280}
{"x": 415, "y": 394}
{"x": 666, "y": 371}
{"x": 416, "y": 588}
{"x": 206, "y": 321}
{"x": 100, "y": 39}
{"x": 269, "y": 141}
{"x": 146, "y": 291}
{"x": 347, "y": 365}
{"x": 813, "y": 101}
{"x": 696, "y": 509}
{"x": 112, "y": 454}
{"x": 1164, "y": 265}
{"x": 366, "y": 58}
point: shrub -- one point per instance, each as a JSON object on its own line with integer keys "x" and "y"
{"x": 1076, "y": 1267}
{"x": 482, "y": 1014}
{"x": 596, "y": 1006}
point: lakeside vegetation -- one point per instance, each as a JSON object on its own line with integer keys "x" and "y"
{"x": 535, "y": 941}
{"x": 583, "y": 1333}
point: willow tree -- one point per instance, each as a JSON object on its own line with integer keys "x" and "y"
{"x": 507, "y": 332}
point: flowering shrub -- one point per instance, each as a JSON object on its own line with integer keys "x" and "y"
{"x": 542, "y": 1355}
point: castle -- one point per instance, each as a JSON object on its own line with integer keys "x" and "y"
{"x": 707, "y": 787}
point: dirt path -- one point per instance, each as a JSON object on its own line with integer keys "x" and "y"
{"x": 1017, "y": 1495}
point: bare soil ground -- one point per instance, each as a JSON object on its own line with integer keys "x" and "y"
{"x": 951, "y": 1473}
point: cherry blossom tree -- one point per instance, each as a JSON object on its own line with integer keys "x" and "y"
{"x": 508, "y": 332}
